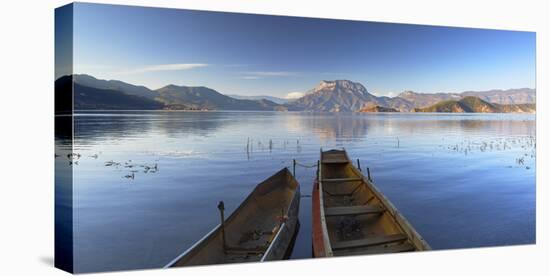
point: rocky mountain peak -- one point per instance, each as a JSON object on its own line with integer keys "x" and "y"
{"x": 407, "y": 93}
{"x": 340, "y": 86}
{"x": 169, "y": 86}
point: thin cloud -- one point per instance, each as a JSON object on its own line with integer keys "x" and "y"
{"x": 294, "y": 95}
{"x": 267, "y": 74}
{"x": 166, "y": 67}
{"x": 235, "y": 65}
{"x": 251, "y": 77}
{"x": 273, "y": 74}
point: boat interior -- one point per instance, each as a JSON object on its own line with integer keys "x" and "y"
{"x": 251, "y": 227}
{"x": 357, "y": 218}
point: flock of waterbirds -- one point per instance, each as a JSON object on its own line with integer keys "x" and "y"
{"x": 145, "y": 168}
{"x": 133, "y": 167}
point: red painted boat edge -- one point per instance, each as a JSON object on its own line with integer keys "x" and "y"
{"x": 317, "y": 230}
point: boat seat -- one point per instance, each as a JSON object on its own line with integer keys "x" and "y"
{"x": 404, "y": 247}
{"x": 342, "y": 179}
{"x": 353, "y": 210}
{"x": 344, "y": 194}
{"x": 244, "y": 250}
{"x": 335, "y": 161}
{"x": 376, "y": 240}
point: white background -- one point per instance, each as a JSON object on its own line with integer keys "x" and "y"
{"x": 26, "y": 133}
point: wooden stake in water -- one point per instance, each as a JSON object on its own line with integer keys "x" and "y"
{"x": 294, "y": 167}
{"x": 368, "y": 174}
{"x": 318, "y": 166}
{"x": 221, "y": 207}
{"x": 358, "y": 164}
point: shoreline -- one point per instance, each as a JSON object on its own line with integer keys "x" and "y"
{"x": 89, "y": 111}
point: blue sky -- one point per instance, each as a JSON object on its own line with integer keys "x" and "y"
{"x": 271, "y": 55}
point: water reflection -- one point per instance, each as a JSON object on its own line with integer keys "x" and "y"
{"x": 330, "y": 127}
{"x": 427, "y": 164}
{"x": 63, "y": 192}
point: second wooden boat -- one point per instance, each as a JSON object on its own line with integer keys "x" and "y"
{"x": 260, "y": 229}
{"x": 351, "y": 217}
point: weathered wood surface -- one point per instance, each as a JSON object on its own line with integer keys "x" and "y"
{"x": 317, "y": 232}
{"x": 369, "y": 241}
{"x": 351, "y": 217}
{"x": 404, "y": 247}
{"x": 335, "y": 161}
{"x": 260, "y": 229}
{"x": 353, "y": 210}
{"x": 347, "y": 179}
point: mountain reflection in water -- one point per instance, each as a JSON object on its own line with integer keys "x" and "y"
{"x": 462, "y": 180}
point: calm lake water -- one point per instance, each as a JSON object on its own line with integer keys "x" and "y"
{"x": 462, "y": 180}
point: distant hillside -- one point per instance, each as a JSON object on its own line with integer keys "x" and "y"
{"x": 427, "y": 99}
{"x": 269, "y": 98}
{"x": 471, "y": 104}
{"x": 204, "y": 98}
{"x": 63, "y": 98}
{"x": 464, "y": 105}
{"x": 89, "y": 98}
{"x": 397, "y": 103}
{"x": 126, "y": 88}
{"x": 518, "y": 108}
{"x": 377, "y": 108}
{"x": 92, "y": 93}
{"x": 510, "y": 96}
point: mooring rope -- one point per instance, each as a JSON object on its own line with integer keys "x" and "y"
{"x": 294, "y": 163}
{"x": 306, "y": 165}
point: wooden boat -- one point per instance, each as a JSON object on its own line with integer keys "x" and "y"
{"x": 351, "y": 217}
{"x": 261, "y": 229}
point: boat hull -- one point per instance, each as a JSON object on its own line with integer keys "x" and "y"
{"x": 351, "y": 217}
{"x": 261, "y": 229}
{"x": 317, "y": 231}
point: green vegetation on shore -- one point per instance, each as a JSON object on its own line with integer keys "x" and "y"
{"x": 377, "y": 108}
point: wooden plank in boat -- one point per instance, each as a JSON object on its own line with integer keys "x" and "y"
{"x": 353, "y": 210}
{"x": 244, "y": 250}
{"x": 257, "y": 248}
{"x": 335, "y": 161}
{"x": 342, "y": 179}
{"x": 369, "y": 241}
{"x": 404, "y": 247}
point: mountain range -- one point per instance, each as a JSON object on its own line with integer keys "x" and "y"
{"x": 473, "y": 104}
{"x": 204, "y": 98}
{"x": 510, "y": 96}
{"x": 91, "y": 93}
{"x": 328, "y": 96}
{"x": 345, "y": 95}
{"x": 276, "y": 100}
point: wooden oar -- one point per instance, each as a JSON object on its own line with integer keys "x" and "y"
{"x": 221, "y": 207}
